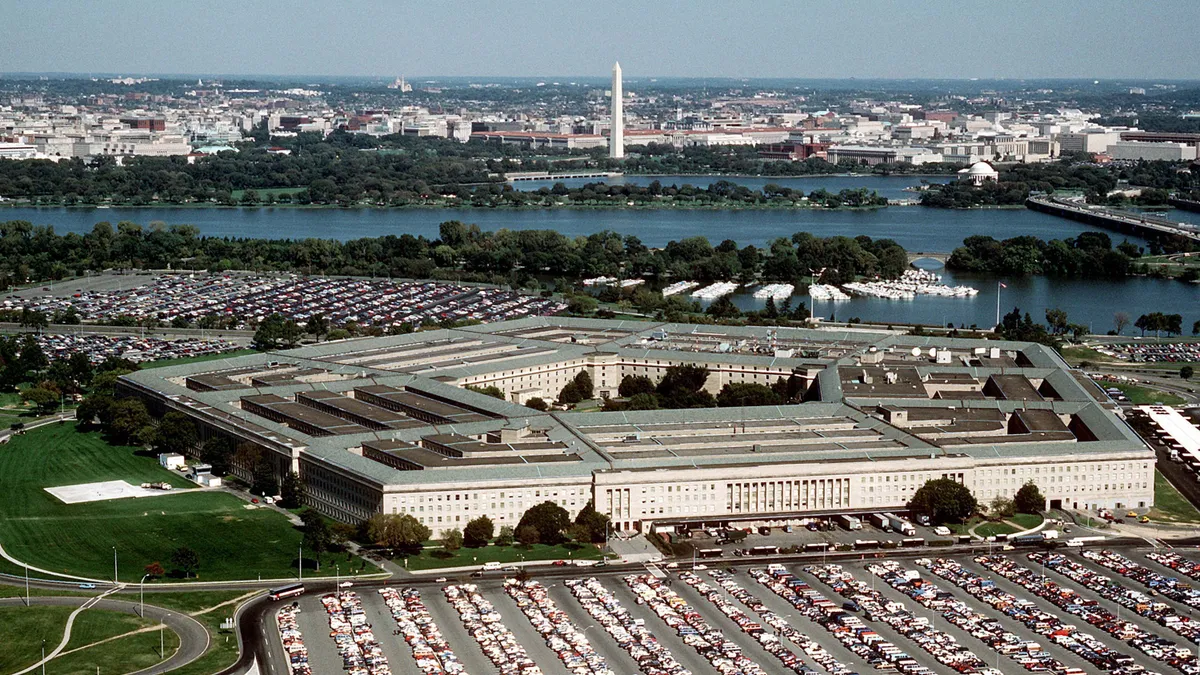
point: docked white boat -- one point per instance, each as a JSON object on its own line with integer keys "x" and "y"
{"x": 775, "y": 291}
{"x": 823, "y": 292}
{"x": 679, "y": 287}
{"x": 714, "y": 291}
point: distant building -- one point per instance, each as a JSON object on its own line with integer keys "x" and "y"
{"x": 538, "y": 139}
{"x": 938, "y": 115}
{"x": 1167, "y": 152}
{"x": 18, "y": 151}
{"x": 147, "y": 123}
{"x": 1088, "y": 140}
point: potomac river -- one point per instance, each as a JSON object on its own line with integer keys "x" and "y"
{"x": 916, "y": 228}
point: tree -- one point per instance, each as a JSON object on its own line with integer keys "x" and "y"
{"x": 1121, "y": 321}
{"x": 736, "y": 394}
{"x": 130, "y": 422}
{"x": 1057, "y": 320}
{"x": 632, "y": 385}
{"x": 452, "y": 540}
{"x": 1001, "y": 507}
{"x": 537, "y": 403}
{"x": 291, "y": 491}
{"x": 527, "y": 535}
{"x": 397, "y": 531}
{"x": 93, "y": 409}
{"x": 1186, "y": 372}
{"x": 275, "y": 331}
{"x": 186, "y": 561}
{"x": 943, "y": 501}
{"x": 490, "y": 390}
{"x": 317, "y": 537}
{"x": 262, "y": 479}
{"x": 154, "y": 570}
{"x": 317, "y": 325}
{"x": 1029, "y": 499}
{"x": 1196, "y": 328}
{"x": 593, "y": 524}
{"x": 549, "y": 519}
{"x": 569, "y": 394}
{"x": 478, "y": 532}
{"x": 583, "y": 382}
{"x": 176, "y": 433}
{"x": 43, "y": 399}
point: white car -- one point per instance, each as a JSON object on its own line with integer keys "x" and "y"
{"x": 942, "y": 531}
{"x": 345, "y": 584}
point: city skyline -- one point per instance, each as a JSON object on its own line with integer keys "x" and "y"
{"x": 932, "y": 40}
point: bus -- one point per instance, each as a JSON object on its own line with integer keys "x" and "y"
{"x": 763, "y": 550}
{"x": 709, "y": 553}
{"x": 289, "y": 591}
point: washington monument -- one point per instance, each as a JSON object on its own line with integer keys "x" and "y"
{"x": 616, "y": 138}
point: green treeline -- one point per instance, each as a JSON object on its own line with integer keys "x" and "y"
{"x": 1091, "y": 254}
{"x": 31, "y": 253}
{"x": 1017, "y": 181}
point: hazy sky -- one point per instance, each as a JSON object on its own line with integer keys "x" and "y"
{"x": 756, "y": 38}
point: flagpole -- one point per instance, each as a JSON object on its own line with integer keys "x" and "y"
{"x": 998, "y": 284}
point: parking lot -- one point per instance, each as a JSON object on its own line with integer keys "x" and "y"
{"x": 237, "y": 301}
{"x": 99, "y": 347}
{"x": 1067, "y": 611}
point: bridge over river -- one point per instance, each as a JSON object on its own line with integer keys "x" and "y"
{"x": 1139, "y": 224}
{"x": 914, "y": 256}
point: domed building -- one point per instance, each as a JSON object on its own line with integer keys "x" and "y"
{"x": 978, "y": 173}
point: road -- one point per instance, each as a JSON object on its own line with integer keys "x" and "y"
{"x": 193, "y": 636}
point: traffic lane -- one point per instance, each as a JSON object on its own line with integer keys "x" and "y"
{"x": 1108, "y": 640}
{"x": 461, "y": 643}
{"x": 1010, "y": 624}
{"x": 397, "y": 651}
{"x": 313, "y": 622}
{"x": 618, "y": 659}
{"x": 518, "y": 624}
{"x": 733, "y": 632}
{"x": 811, "y": 629}
{"x": 886, "y": 631}
{"x": 685, "y": 655}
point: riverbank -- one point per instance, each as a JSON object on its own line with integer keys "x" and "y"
{"x": 664, "y": 206}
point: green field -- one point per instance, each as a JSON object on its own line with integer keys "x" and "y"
{"x": 231, "y": 540}
{"x": 1169, "y": 505}
{"x": 1027, "y": 521}
{"x": 432, "y": 558}
{"x": 22, "y": 630}
{"x": 993, "y": 529}
{"x": 123, "y": 655}
{"x": 1139, "y": 395}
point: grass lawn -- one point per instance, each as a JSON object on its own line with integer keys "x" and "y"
{"x": 197, "y": 359}
{"x": 231, "y": 541}
{"x": 22, "y": 630}
{"x": 993, "y": 529}
{"x": 1139, "y": 395}
{"x": 124, "y": 655}
{"x": 467, "y": 557}
{"x": 184, "y": 601}
{"x": 1169, "y": 505}
{"x": 1027, "y": 521}
{"x": 1077, "y": 355}
{"x": 93, "y": 625}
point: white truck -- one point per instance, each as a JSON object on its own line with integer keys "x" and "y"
{"x": 881, "y": 521}
{"x": 900, "y": 525}
{"x": 850, "y": 522}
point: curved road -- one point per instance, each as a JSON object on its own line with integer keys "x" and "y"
{"x": 193, "y": 636}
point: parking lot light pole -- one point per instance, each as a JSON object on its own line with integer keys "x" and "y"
{"x": 142, "y": 593}
{"x": 116, "y": 579}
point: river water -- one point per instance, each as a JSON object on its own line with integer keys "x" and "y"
{"x": 916, "y": 228}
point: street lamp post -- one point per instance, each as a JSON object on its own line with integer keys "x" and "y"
{"x": 116, "y": 579}
{"x": 300, "y": 563}
{"x": 142, "y": 594}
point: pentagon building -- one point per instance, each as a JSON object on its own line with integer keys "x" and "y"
{"x": 387, "y": 425}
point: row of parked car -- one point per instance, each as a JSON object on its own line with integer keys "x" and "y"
{"x": 920, "y": 629}
{"x": 1041, "y": 622}
{"x": 632, "y": 635}
{"x": 348, "y": 626}
{"x": 1071, "y": 602}
{"x": 293, "y": 641}
{"x": 709, "y": 642}
{"x": 561, "y": 634}
{"x": 850, "y": 630}
{"x": 484, "y": 624}
{"x": 1172, "y": 560}
{"x": 429, "y": 649}
{"x": 730, "y": 597}
{"x": 1161, "y": 612}
{"x": 380, "y": 302}
{"x": 99, "y": 347}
